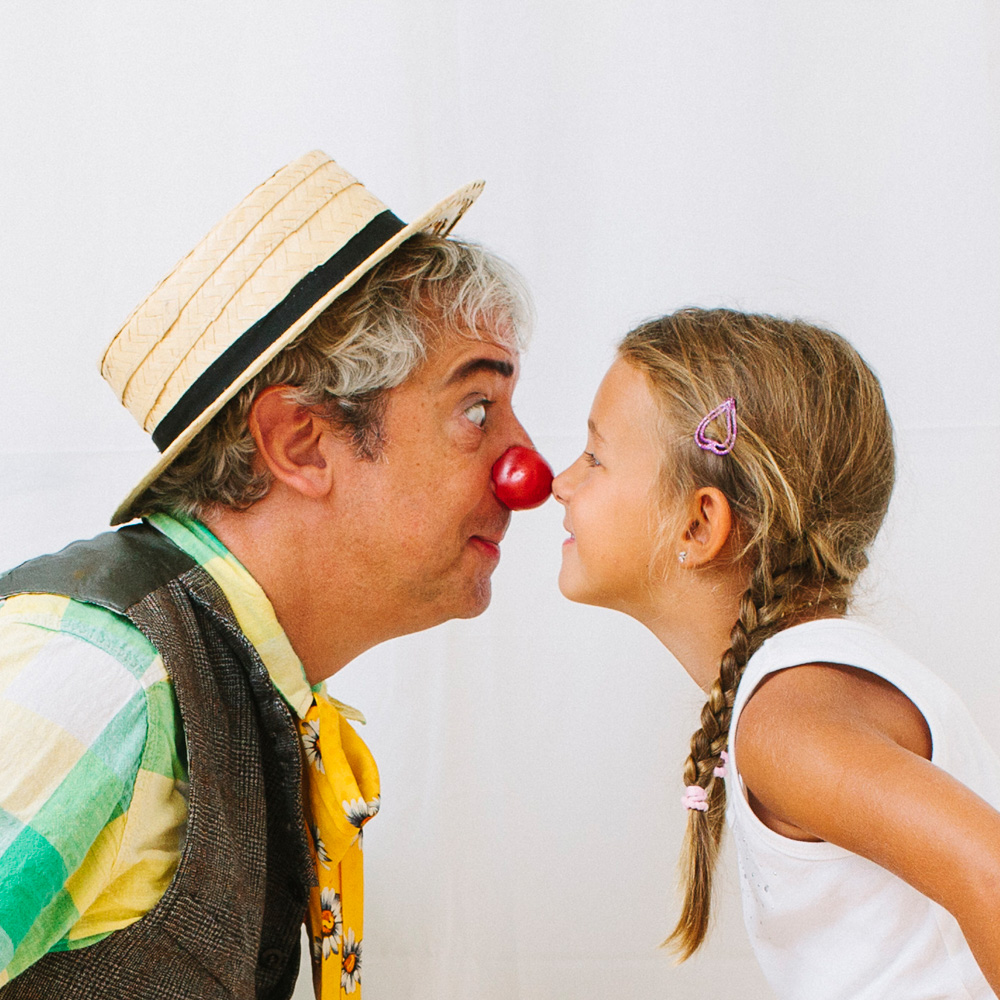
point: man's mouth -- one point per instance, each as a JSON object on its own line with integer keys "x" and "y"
{"x": 487, "y": 545}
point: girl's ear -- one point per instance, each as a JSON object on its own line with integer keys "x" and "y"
{"x": 708, "y": 527}
{"x": 292, "y": 441}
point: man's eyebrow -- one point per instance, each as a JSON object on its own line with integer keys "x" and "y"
{"x": 476, "y": 365}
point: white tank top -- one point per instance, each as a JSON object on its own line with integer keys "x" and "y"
{"x": 826, "y": 924}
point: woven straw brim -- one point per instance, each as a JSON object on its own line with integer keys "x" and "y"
{"x": 439, "y": 220}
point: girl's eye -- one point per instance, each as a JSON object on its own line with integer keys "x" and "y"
{"x": 477, "y": 413}
{"x": 591, "y": 459}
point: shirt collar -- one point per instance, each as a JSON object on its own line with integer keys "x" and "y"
{"x": 253, "y": 611}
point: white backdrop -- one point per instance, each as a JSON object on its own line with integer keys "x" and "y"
{"x": 838, "y": 160}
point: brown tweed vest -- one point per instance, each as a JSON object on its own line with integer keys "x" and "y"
{"x": 228, "y": 925}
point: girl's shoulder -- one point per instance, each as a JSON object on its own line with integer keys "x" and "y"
{"x": 849, "y": 643}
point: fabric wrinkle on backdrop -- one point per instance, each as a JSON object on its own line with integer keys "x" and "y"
{"x": 838, "y": 163}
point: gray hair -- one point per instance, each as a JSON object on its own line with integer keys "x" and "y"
{"x": 368, "y": 341}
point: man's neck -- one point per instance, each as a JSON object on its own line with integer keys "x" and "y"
{"x": 308, "y": 579}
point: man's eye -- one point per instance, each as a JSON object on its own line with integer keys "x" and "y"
{"x": 477, "y": 413}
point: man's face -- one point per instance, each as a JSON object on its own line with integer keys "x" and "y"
{"x": 424, "y": 515}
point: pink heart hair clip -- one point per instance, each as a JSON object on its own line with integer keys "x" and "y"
{"x": 726, "y": 408}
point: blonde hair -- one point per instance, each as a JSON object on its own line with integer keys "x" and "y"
{"x": 808, "y": 479}
{"x": 368, "y": 341}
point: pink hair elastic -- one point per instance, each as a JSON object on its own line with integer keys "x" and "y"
{"x": 726, "y": 408}
{"x": 695, "y": 797}
{"x": 722, "y": 771}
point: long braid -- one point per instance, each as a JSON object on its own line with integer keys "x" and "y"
{"x": 704, "y": 829}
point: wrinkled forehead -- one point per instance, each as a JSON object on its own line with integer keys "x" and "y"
{"x": 453, "y": 334}
{"x": 456, "y": 357}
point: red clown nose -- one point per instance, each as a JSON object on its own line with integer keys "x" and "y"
{"x": 522, "y": 478}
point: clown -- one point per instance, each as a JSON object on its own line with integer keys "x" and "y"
{"x": 330, "y": 390}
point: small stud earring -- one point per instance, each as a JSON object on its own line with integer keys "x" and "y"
{"x": 681, "y": 556}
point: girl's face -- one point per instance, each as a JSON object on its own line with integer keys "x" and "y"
{"x": 610, "y": 495}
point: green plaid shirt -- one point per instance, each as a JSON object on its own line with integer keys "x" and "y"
{"x": 93, "y": 776}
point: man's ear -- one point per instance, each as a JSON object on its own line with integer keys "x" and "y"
{"x": 293, "y": 441}
{"x": 708, "y": 527}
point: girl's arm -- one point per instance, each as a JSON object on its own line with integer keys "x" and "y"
{"x": 837, "y": 754}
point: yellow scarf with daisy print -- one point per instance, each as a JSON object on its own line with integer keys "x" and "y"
{"x": 341, "y": 777}
{"x": 343, "y": 794}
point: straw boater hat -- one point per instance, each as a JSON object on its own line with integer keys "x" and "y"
{"x": 246, "y": 291}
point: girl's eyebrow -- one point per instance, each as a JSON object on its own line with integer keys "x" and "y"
{"x": 592, "y": 427}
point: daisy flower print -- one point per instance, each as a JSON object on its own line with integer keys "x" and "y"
{"x": 310, "y": 740}
{"x": 358, "y": 811}
{"x": 350, "y": 967}
{"x": 332, "y": 922}
{"x": 322, "y": 854}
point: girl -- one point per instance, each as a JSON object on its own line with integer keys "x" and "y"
{"x": 737, "y": 470}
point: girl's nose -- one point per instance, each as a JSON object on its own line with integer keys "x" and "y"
{"x": 563, "y": 486}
